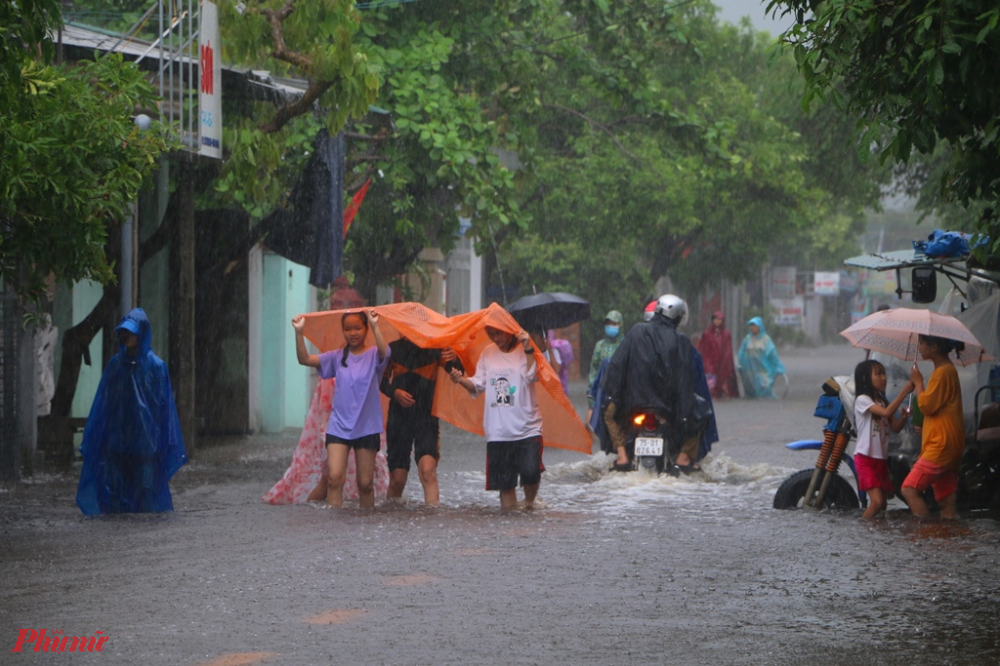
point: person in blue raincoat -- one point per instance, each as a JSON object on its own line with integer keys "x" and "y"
{"x": 758, "y": 361}
{"x": 132, "y": 443}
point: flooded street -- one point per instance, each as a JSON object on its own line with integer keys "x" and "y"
{"x": 611, "y": 569}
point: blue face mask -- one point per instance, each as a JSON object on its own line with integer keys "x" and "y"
{"x": 611, "y": 331}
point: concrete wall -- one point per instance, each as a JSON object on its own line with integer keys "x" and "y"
{"x": 463, "y": 279}
{"x": 284, "y": 384}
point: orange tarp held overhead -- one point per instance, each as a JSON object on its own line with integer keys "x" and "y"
{"x": 466, "y": 334}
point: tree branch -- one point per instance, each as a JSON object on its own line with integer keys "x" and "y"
{"x": 296, "y": 108}
{"x": 357, "y": 159}
{"x": 281, "y": 51}
{"x": 365, "y": 137}
{"x": 594, "y": 123}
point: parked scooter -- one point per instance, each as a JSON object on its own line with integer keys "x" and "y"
{"x": 823, "y": 487}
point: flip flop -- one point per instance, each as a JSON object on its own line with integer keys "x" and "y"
{"x": 621, "y": 467}
{"x": 689, "y": 468}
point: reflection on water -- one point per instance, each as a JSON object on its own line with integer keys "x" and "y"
{"x": 610, "y": 569}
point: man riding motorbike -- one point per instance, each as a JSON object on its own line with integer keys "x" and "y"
{"x": 653, "y": 370}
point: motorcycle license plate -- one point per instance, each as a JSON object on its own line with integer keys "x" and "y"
{"x": 649, "y": 446}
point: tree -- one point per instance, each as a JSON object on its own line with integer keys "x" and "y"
{"x": 71, "y": 158}
{"x": 914, "y": 75}
{"x": 704, "y": 171}
{"x": 314, "y": 41}
{"x": 440, "y": 164}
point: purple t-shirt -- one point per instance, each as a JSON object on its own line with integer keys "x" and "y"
{"x": 356, "y": 408}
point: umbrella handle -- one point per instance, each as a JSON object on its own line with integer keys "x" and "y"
{"x": 909, "y": 399}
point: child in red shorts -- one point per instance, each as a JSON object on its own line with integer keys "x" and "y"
{"x": 943, "y": 431}
{"x": 873, "y": 418}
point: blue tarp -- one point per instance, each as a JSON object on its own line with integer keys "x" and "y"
{"x": 947, "y": 244}
{"x": 132, "y": 443}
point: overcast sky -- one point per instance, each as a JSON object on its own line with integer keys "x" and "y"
{"x": 733, "y": 10}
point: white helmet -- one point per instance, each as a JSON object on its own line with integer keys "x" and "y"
{"x": 673, "y": 308}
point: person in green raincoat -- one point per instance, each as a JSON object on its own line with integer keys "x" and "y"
{"x": 758, "y": 361}
{"x": 604, "y": 349}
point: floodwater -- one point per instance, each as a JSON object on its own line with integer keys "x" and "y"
{"x": 610, "y": 569}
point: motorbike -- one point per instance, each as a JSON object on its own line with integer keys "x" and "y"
{"x": 824, "y": 487}
{"x": 974, "y": 295}
{"x": 649, "y": 444}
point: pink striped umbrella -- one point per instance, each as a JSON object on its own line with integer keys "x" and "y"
{"x": 894, "y": 332}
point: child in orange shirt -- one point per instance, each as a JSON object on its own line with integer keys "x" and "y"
{"x": 943, "y": 432}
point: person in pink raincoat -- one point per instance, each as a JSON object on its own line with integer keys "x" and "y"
{"x": 716, "y": 348}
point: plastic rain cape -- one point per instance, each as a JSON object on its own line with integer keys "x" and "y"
{"x": 466, "y": 334}
{"x": 759, "y": 362}
{"x": 132, "y": 444}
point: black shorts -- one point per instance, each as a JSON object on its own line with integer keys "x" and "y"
{"x": 368, "y": 442}
{"x": 402, "y": 435}
{"x": 506, "y": 461}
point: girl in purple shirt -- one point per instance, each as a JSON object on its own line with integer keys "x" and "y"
{"x": 356, "y": 417}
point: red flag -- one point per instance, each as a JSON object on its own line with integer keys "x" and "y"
{"x": 352, "y": 208}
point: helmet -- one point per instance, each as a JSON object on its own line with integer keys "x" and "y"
{"x": 673, "y": 308}
{"x": 648, "y": 314}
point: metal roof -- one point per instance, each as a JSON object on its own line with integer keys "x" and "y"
{"x": 260, "y": 84}
{"x": 887, "y": 261}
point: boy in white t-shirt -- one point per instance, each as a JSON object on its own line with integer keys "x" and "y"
{"x": 507, "y": 373}
{"x": 872, "y": 421}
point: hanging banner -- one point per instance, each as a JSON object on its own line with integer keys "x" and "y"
{"x": 827, "y": 284}
{"x": 789, "y": 311}
{"x": 210, "y": 88}
{"x": 783, "y": 282}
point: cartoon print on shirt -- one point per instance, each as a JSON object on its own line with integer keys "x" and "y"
{"x": 504, "y": 390}
{"x": 876, "y": 428}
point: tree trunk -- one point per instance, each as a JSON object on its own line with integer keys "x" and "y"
{"x": 76, "y": 340}
{"x": 182, "y": 307}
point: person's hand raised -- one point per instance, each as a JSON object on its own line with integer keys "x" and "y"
{"x": 298, "y": 323}
{"x": 524, "y": 339}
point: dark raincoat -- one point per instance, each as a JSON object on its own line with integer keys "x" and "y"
{"x": 653, "y": 368}
{"x": 710, "y": 435}
{"x": 132, "y": 443}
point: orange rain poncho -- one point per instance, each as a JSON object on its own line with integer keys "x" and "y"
{"x": 466, "y": 334}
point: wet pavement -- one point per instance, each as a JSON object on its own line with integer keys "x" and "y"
{"x": 611, "y": 569}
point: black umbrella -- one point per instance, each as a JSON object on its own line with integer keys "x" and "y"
{"x": 540, "y": 312}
